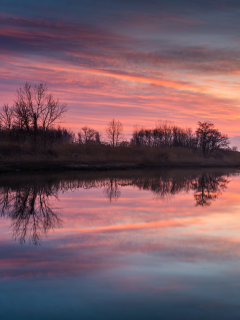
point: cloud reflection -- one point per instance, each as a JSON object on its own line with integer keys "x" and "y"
{"x": 27, "y": 201}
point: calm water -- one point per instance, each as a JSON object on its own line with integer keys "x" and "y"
{"x": 120, "y": 245}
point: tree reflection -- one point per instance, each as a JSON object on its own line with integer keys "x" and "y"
{"x": 162, "y": 186}
{"x": 30, "y": 212}
{"x": 26, "y": 200}
{"x": 112, "y": 189}
{"x": 208, "y": 188}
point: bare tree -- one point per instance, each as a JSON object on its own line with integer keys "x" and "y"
{"x": 35, "y": 107}
{"x": 52, "y": 112}
{"x": 6, "y": 117}
{"x": 114, "y": 131}
{"x": 165, "y": 134}
{"x": 209, "y": 138}
{"x": 87, "y": 135}
{"x": 23, "y": 107}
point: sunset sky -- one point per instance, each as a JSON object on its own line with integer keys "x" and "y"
{"x": 137, "y": 61}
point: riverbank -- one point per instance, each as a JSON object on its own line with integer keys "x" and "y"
{"x": 104, "y": 158}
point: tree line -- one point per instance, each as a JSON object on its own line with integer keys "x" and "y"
{"x": 206, "y": 137}
{"x": 35, "y": 114}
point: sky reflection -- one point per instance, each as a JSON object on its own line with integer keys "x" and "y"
{"x": 138, "y": 256}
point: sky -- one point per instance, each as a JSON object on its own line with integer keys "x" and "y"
{"x": 135, "y": 61}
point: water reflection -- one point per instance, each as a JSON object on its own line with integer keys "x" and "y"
{"x": 112, "y": 189}
{"x": 30, "y": 211}
{"x": 123, "y": 251}
{"x": 208, "y": 188}
{"x": 26, "y": 200}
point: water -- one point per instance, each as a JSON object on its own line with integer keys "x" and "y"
{"x": 120, "y": 245}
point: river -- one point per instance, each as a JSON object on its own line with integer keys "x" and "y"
{"x": 151, "y": 244}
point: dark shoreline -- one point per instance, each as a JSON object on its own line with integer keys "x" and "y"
{"x": 111, "y": 166}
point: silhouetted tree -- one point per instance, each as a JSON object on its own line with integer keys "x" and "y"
{"x": 35, "y": 107}
{"x": 114, "y": 131}
{"x": 36, "y": 110}
{"x": 88, "y": 135}
{"x": 209, "y": 138}
{"x": 6, "y": 117}
{"x": 165, "y": 134}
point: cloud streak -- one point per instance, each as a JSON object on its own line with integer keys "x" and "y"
{"x": 174, "y": 63}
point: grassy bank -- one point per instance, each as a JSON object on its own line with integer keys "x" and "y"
{"x": 60, "y": 157}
